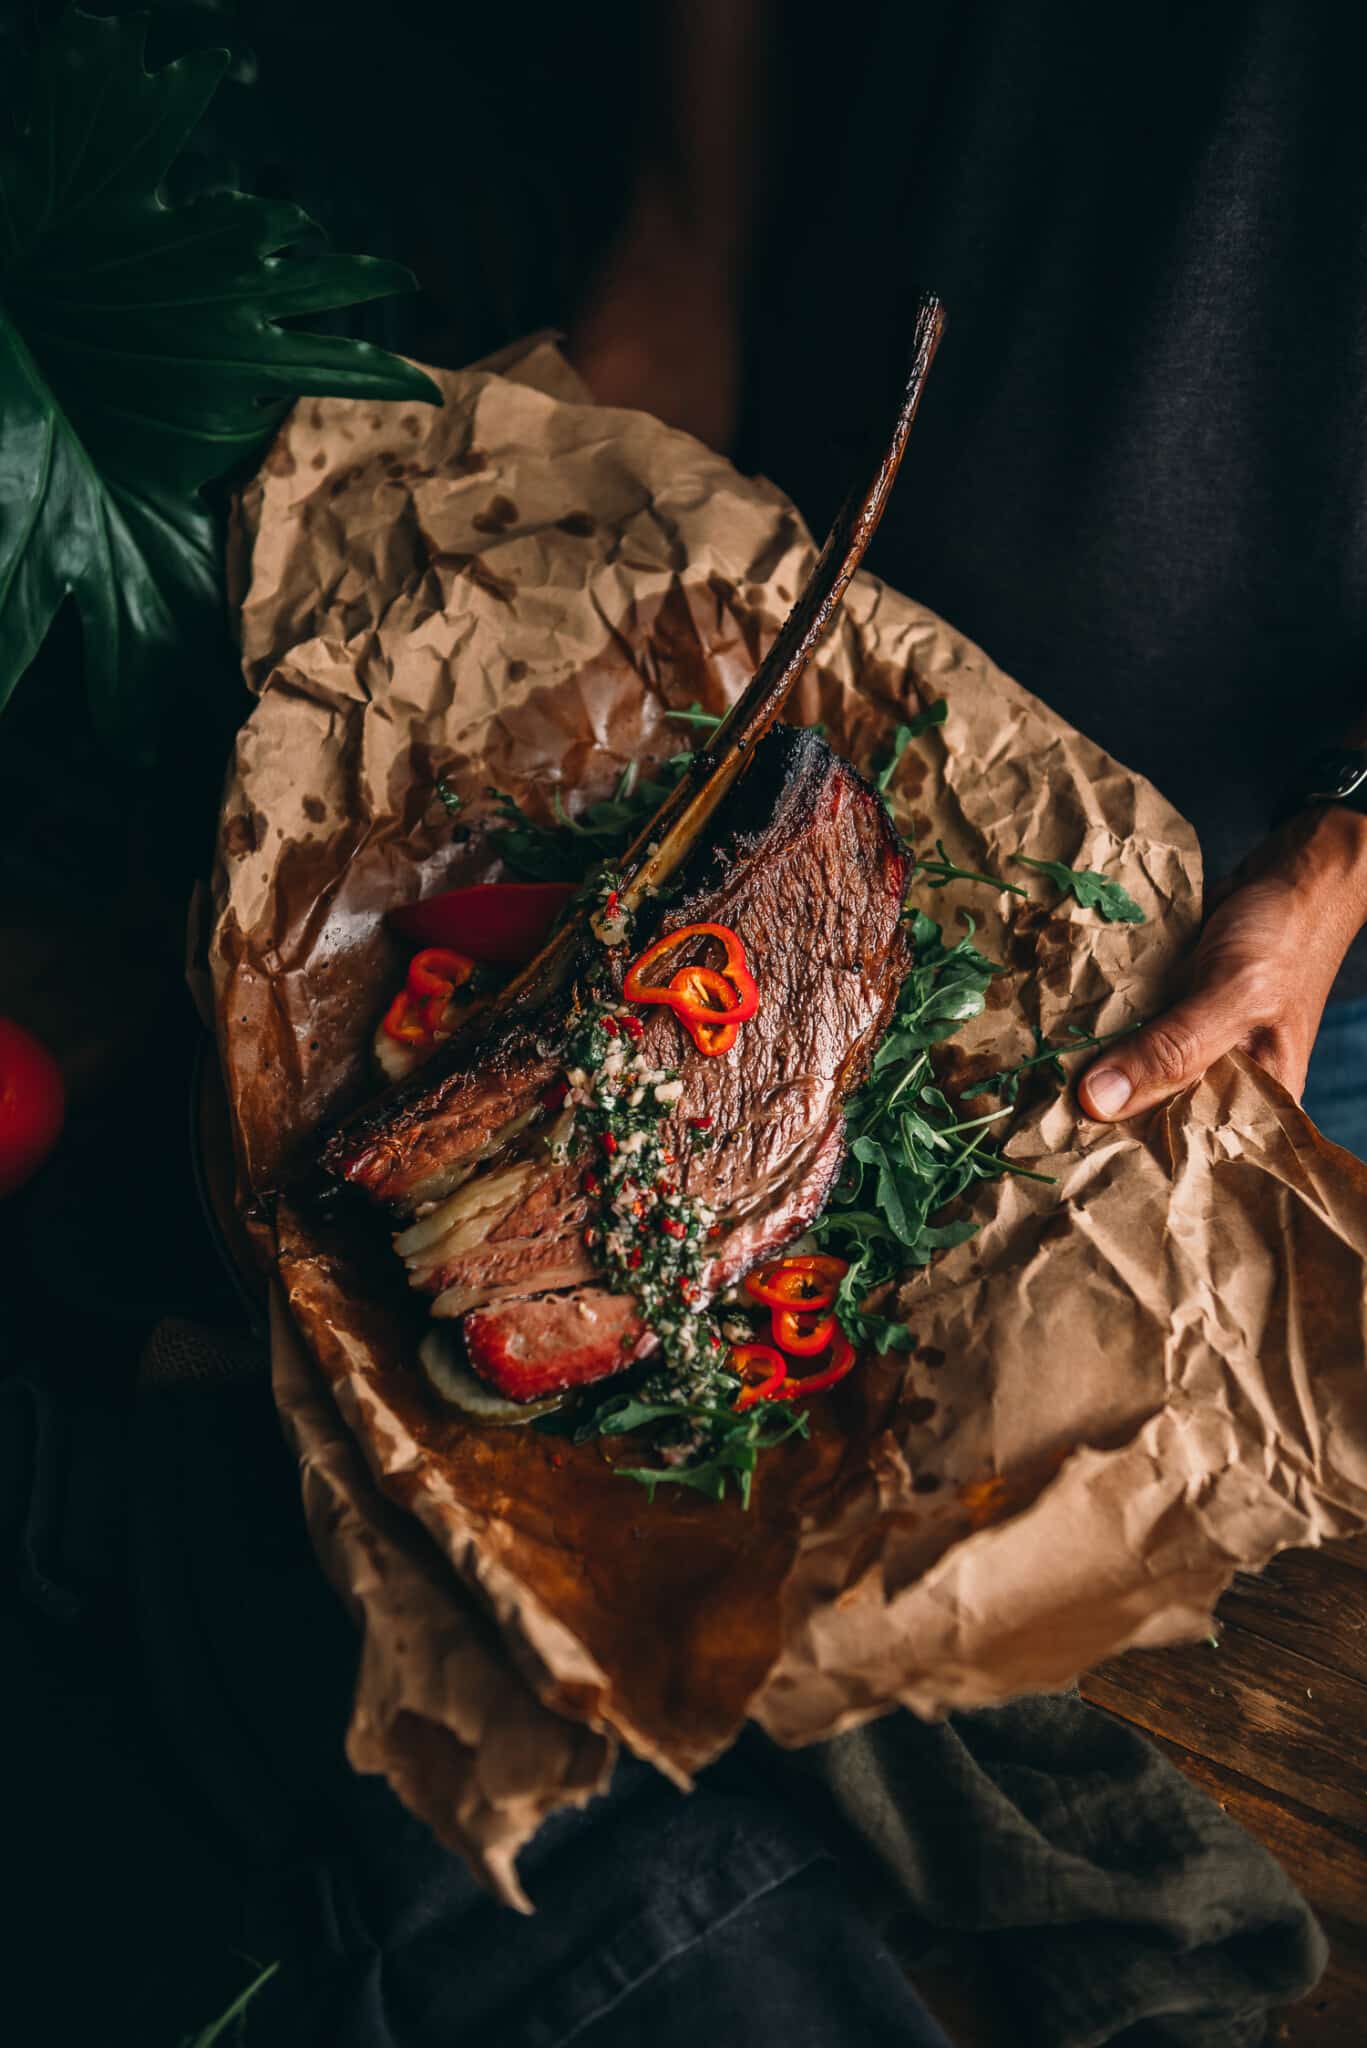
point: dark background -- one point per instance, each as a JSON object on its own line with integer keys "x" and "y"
{"x": 1138, "y": 480}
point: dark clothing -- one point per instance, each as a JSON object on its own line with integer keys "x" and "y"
{"x": 178, "y": 1678}
{"x": 180, "y": 1674}
{"x": 1336, "y": 1089}
{"x": 1139, "y": 479}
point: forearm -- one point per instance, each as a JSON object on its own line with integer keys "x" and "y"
{"x": 1321, "y": 855}
{"x": 703, "y": 157}
{"x": 1322, "y": 852}
{"x": 659, "y": 328}
{"x": 1263, "y": 971}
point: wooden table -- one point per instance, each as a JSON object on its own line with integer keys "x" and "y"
{"x": 1271, "y": 1720}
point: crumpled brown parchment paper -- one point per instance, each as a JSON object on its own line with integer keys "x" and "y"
{"x": 1125, "y": 1387}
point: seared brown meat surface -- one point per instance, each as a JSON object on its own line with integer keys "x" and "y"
{"x": 803, "y": 864}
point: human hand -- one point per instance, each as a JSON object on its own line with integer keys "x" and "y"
{"x": 1261, "y": 973}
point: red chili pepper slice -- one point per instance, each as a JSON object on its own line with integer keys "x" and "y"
{"x": 762, "y": 1369}
{"x": 704, "y": 993}
{"x": 504, "y": 923}
{"x": 403, "y": 1020}
{"x": 808, "y": 1280}
{"x": 437, "y": 971}
{"x": 712, "y": 1039}
{"x": 707, "y": 1008}
{"x": 637, "y": 990}
{"x": 842, "y": 1358}
{"x": 801, "y": 1336}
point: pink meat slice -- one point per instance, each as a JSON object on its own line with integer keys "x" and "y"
{"x": 551, "y": 1342}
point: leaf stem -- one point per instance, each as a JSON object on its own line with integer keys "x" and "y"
{"x": 942, "y": 870}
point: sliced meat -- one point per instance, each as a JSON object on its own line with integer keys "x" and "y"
{"x": 544, "y": 1343}
{"x": 428, "y": 1134}
{"x": 804, "y": 865}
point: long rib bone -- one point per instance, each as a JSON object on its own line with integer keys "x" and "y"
{"x": 662, "y": 845}
{"x": 665, "y": 842}
{"x": 677, "y": 826}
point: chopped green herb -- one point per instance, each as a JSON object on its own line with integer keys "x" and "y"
{"x": 1092, "y": 890}
{"x": 450, "y": 798}
{"x": 650, "y": 1239}
{"x": 934, "y": 714}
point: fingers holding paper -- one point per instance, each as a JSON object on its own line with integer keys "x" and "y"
{"x": 1261, "y": 974}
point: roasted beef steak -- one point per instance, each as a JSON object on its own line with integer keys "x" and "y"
{"x": 803, "y": 864}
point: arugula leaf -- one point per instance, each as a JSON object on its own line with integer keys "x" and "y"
{"x": 910, "y": 1153}
{"x": 208, "y": 2036}
{"x": 140, "y": 356}
{"x": 732, "y": 1453}
{"x": 942, "y": 870}
{"x": 934, "y": 714}
{"x": 695, "y": 715}
{"x": 1007, "y": 1080}
{"x": 571, "y": 848}
{"x": 727, "y": 1448}
{"x": 1092, "y": 890}
{"x": 623, "y": 1413}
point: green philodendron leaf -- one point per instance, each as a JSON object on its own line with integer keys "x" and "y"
{"x": 140, "y": 356}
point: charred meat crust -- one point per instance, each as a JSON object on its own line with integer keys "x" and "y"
{"x": 803, "y": 862}
{"x": 468, "y": 1092}
{"x": 457, "y": 1104}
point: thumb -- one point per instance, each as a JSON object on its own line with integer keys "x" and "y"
{"x": 1166, "y": 1055}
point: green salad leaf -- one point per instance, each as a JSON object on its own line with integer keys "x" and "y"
{"x": 1092, "y": 890}
{"x": 1048, "y": 1057}
{"x": 934, "y": 714}
{"x": 572, "y": 847}
{"x": 723, "y": 1447}
{"x": 729, "y": 1454}
{"x": 141, "y": 355}
{"x": 910, "y": 1153}
{"x": 235, "y": 2016}
{"x": 939, "y": 870}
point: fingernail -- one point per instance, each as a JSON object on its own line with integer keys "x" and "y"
{"x": 1109, "y": 1091}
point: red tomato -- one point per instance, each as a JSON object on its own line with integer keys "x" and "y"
{"x": 31, "y": 1104}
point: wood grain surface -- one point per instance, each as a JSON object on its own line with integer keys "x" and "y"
{"x": 1270, "y": 1720}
